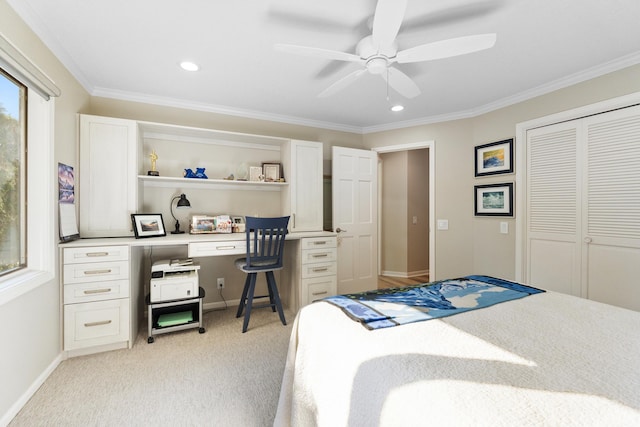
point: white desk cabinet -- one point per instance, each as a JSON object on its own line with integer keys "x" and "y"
{"x": 312, "y": 268}
{"x": 108, "y": 176}
{"x": 304, "y": 201}
{"x": 96, "y": 295}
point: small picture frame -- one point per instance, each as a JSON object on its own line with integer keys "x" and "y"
{"x": 255, "y": 173}
{"x": 271, "y": 172}
{"x": 494, "y": 199}
{"x": 494, "y": 158}
{"x": 148, "y": 225}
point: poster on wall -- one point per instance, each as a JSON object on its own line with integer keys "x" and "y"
{"x": 66, "y": 204}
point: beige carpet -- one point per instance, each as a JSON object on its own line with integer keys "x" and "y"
{"x": 220, "y": 378}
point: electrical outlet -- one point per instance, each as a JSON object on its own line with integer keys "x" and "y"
{"x": 220, "y": 282}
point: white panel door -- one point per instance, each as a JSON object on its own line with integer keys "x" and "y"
{"x": 355, "y": 217}
{"x": 611, "y": 215}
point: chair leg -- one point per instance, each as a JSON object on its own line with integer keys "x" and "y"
{"x": 243, "y": 298}
{"x": 247, "y": 312}
{"x": 272, "y": 300}
{"x": 273, "y": 291}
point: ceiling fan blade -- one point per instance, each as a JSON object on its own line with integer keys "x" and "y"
{"x": 401, "y": 83}
{"x": 342, "y": 83}
{"x": 447, "y": 48}
{"x": 386, "y": 22}
{"x": 317, "y": 52}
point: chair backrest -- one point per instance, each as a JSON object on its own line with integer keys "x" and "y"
{"x": 265, "y": 242}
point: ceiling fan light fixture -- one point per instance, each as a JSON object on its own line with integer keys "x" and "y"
{"x": 397, "y": 108}
{"x": 189, "y": 66}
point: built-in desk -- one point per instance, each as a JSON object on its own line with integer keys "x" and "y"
{"x": 102, "y": 280}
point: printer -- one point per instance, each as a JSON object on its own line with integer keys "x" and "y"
{"x": 174, "y": 280}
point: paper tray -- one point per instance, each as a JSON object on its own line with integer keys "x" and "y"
{"x": 171, "y": 319}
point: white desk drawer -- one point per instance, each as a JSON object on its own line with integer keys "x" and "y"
{"x": 95, "y": 254}
{"x": 319, "y": 255}
{"x": 319, "y": 242}
{"x": 229, "y": 247}
{"x": 95, "y": 272}
{"x": 96, "y": 323}
{"x": 87, "y": 292}
{"x": 319, "y": 269}
{"x": 319, "y": 287}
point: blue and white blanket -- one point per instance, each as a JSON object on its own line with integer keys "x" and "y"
{"x": 384, "y": 308}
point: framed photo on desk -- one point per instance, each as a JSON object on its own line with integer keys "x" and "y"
{"x": 148, "y": 225}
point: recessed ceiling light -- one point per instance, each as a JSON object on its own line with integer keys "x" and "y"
{"x": 397, "y": 108}
{"x": 189, "y": 66}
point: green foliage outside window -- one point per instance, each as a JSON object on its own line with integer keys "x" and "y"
{"x": 11, "y": 157}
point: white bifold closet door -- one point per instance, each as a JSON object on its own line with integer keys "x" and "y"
{"x": 583, "y": 207}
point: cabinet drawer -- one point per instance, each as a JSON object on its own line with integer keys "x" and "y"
{"x": 318, "y": 288}
{"x": 319, "y": 242}
{"x": 95, "y": 254}
{"x": 96, "y": 323}
{"x": 230, "y": 247}
{"x": 86, "y": 292}
{"x": 319, "y": 269}
{"x": 96, "y": 272}
{"x": 319, "y": 255}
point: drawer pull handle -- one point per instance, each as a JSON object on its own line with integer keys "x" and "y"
{"x": 315, "y": 294}
{"x": 319, "y": 270}
{"x": 320, "y": 255}
{"x": 107, "y": 271}
{"x": 320, "y": 242}
{"x": 97, "y": 291}
{"x": 103, "y": 322}
{"x": 225, "y": 248}
{"x": 96, "y": 254}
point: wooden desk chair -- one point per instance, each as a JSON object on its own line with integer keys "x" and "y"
{"x": 265, "y": 246}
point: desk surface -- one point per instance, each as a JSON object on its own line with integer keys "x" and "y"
{"x": 180, "y": 239}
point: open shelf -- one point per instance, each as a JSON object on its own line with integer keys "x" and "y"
{"x": 175, "y": 182}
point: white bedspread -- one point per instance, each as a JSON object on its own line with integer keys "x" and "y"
{"x": 547, "y": 359}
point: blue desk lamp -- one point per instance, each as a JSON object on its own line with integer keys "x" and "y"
{"x": 183, "y": 203}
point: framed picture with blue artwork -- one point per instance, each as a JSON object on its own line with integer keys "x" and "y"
{"x": 494, "y": 199}
{"x": 494, "y": 158}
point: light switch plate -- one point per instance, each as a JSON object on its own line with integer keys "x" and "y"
{"x": 443, "y": 224}
{"x": 504, "y": 227}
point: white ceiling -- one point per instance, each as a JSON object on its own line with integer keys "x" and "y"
{"x": 130, "y": 49}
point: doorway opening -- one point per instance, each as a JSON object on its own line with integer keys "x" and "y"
{"x": 406, "y": 212}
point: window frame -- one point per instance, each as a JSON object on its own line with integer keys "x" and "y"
{"x": 40, "y": 202}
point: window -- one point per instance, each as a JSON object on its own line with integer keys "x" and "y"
{"x": 13, "y": 100}
{"x": 27, "y": 193}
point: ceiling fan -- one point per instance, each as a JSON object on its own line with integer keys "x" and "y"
{"x": 379, "y": 51}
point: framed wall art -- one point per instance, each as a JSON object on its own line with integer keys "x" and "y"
{"x": 494, "y": 158}
{"x": 148, "y": 225}
{"x": 494, "y": 200}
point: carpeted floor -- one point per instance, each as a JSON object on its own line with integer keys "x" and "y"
{"x": 220, "y": 378}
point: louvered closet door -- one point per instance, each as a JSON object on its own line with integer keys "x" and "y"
{"x": 553, "y": 201}
{"x": 611, "y": 218}
{"x": 583, "y": 207}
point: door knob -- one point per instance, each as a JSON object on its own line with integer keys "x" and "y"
{"x": 339, "y": 230}
{"x": 588, "y": 239}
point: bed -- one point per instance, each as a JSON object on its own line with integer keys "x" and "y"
{"x": 545, "y": 359}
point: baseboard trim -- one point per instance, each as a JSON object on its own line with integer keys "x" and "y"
{"x": 404, "y": 274}
{"x": 28, "y": 394}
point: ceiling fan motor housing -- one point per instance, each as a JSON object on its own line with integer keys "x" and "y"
{"x": 377, "y": 60}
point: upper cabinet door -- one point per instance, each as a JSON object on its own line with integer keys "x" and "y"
{"x": 305, "y": 185}
{"x": 107, "y": 176}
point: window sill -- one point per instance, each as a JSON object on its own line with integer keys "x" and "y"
{"x": 19, "y": 283}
